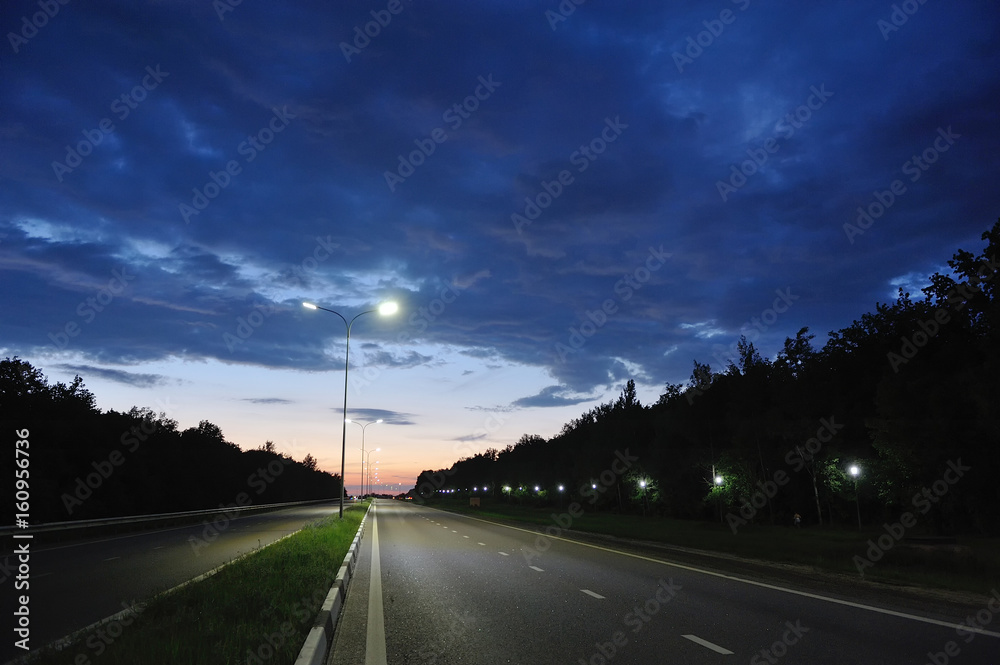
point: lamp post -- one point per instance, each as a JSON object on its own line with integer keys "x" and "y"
{"x": 368, "y": 465}
{"x": 363, "y": 426}
{"x": 855, "y": 471}
{"x": 385, "y": 309}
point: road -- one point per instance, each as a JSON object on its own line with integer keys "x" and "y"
{"x": 76, "y": 584}
{"x": 436, "y": 587}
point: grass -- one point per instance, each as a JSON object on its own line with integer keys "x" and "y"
{"x": 257, "y": 609}
{"x": 973, "y": 565}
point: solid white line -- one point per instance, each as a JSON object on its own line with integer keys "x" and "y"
{"x": 592, "y": 594}
{"x": 708, "y": 645}
{"x": 375, "y": 644}
{"x": 504, "y": 553}
{"x": 836, "y": 601}
{"x": 536, "y": 568}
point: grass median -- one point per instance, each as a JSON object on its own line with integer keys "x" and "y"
{"x": 257, "y": 609}
{"x": 970, "y": 564}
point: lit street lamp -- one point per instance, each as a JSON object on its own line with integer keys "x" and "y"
{"x": 855, "y": 471}
{"x": 363, "y": 449}
{"x": 718, "y": 483}
{"x": 385, "y": 309}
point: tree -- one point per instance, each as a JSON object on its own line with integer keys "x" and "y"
{"x": 797, "y": 353}
{"x": 309, "y": 462}
{"x": 20, "y": 381}
{"x": 25, "y": 390}
{"x": 210, "y": 430}
{"x": 161, "y": 421}
{"x": 628, "y": 400}
{"x": 749, "y": 357}
{"x": 671, "y": 392}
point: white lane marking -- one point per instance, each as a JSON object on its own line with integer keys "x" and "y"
{"x": 113, "y": 558}
{"x": 453, "y": 531}
{"x": 375, "y": 643}
{"x": 504, "y": 553}
{"x": 536, "y": 568}
{"x": 464, "y": 536}
{"x": 592, "y": 594}
{"x": 483, "y": 544}
{"x": 795, "y": 592}
{"x": 158, "y": 547}
{"x": 708, "y": 645}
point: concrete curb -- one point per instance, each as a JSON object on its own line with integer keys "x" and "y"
{"x": 316, "y": 649}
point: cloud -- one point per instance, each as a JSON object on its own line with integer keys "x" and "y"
{"x": 549, "y": 397}
{"x": 365, "y": 415}
{"x": 118, "y": 376}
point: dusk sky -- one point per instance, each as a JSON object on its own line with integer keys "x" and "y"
{"x": 560, "y": 197}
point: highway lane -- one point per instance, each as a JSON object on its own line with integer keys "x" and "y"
{"x": 459, "y": 590}
{"x": 76, "y": 584}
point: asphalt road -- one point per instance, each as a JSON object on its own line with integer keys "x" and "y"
{"x": 74, "y": 585}
{"x": 453, "y": 589}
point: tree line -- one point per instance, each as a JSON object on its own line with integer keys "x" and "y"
{"x": 89, "y": 464}
{"x": 906, "y": 398}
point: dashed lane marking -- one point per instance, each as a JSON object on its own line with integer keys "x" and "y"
{"x": 708, "y": 645}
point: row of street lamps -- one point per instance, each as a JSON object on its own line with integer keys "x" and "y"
{"x": 363, "y": 458}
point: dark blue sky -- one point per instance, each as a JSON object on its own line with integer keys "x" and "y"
{"x": 657, "y": 177}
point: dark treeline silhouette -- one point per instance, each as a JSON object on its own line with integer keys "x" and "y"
{"x": 907, "y": 393}
{"x": 88, "y": 464}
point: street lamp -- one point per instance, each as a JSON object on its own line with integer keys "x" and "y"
{"x": 718, "y": 483}
{"x": 385, "y": 309}
{"x": 363, "y": 448}
{"x": 855, "y": 471}
{"x": 368, "y": 465}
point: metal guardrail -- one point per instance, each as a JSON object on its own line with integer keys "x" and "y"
{"x": 137, "y": 519}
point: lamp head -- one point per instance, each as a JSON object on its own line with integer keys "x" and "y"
{"x": 388, "y": 308}
{"x": 309, "y": 305}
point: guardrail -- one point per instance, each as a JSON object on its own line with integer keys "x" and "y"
{"x": 161, "y": 517}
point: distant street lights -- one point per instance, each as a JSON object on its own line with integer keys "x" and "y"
{"x": 855, "y": 471}
{"x": 368, "y": 465}
{"x": 363, "y": 426}
{"x": 385, "y": 309}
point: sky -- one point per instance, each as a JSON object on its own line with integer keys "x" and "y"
{"x": 560, "y": 196}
